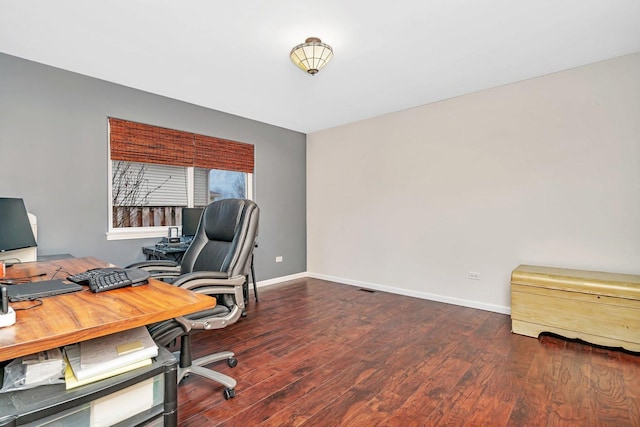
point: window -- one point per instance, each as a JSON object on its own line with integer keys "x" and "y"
{"x": 155, "y": 172}
{"x": 226, "y": 185}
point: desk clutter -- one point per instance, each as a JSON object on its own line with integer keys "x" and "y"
{"x": 168, "y": 248}
{"x": 133, "y": 394}
{"x": 181, "y": 243}
{"x": 100, "y": 358}
{"x": 43, "y": 368}
{"x": 98, "y": 280}
{"x": 30, "y": 291}
{"x": 89, "y": 362}
{"x": 82, "y": 363}
{"x": 129, "y": 397}
{"x": 7, "y": 315}
{"x": 105, "y": 279}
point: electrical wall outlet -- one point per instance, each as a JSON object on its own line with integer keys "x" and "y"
{"x": 472, "y": 275}
{"x": 278, "y": 259}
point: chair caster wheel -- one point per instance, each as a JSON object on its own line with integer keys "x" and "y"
{"x": 228, "y": 393}
{"x": 232, "y": 362}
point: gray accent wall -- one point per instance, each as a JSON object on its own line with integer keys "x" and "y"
{"x": 54, "y": 155}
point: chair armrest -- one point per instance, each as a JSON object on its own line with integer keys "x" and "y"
{"x": 218, "y": 284}
{"x": 159, "y": 269}
{"x": 213, "y": 275}
{"x": 218, "y": 322}
{"x": 214, "y": 283}
{"x": 184, "y": 323}
{"x": 166, "y": 331}
{"x": 208, "y": 280}
{"x": 153, "y": 263}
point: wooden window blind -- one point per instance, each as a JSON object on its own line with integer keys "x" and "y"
{"x": 216, "y": 153}
{"x": 138, "y": 142}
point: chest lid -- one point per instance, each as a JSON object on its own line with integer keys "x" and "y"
{"x": 591, "y": 282}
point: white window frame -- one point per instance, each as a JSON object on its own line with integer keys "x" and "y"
{"x": 127, "y": 233}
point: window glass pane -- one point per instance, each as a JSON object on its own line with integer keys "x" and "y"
{"x": 147, "y": 195}
{"x": 227, "y": 185}
{"x": 146, "y": 184}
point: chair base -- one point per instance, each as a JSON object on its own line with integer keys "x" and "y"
{"x": 197, "y": 368}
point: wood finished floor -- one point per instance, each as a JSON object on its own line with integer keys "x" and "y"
{"x": 316, "y": 353}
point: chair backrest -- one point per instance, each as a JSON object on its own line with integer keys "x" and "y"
{"x": 225, "y": 238}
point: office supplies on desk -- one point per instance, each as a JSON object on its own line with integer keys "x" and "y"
{"x": 5, "y": 299}
{"x": 84, "y": 277}
{"x": 173, "y": 235}
{"x": 45, "y": 288}
{"x": 102, "y": 313}
{"x": 118, "y": 279}
{"x": 183, "y": 241}
{"x": 72, "y": 354}
{"x": 105, "y": 354}
{"x": 112, "y": 312}
{"x": 7, "y": 315}
{"x": 44, "y": 364}
{"x": 105, "y": 279}
{"x": 112, "y": 397}
{"x": 179, "y": 245}
{"x": 33, "y": 370}
{"x": 21, "y": 279}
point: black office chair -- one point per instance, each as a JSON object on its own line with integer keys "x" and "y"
{"x": 216, "y": 263}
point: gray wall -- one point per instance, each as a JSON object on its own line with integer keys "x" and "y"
{"x": 54, "y": 151}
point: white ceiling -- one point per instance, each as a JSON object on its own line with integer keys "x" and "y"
{"x": 233, "y": 56}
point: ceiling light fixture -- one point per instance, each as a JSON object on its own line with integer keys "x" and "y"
{"x": 311, "y": 55}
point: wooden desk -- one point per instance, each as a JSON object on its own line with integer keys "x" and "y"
{"x": 70, "y": 318}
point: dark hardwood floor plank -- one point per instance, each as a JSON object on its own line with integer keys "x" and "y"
{"x": 630, "y": 367}
{"x": 570, "y": 403}
{"x": 439, "y": 382}
{"x": 486, "y": 391}
{"x": 280, "y": 374}
{"x": 332, "y": 385}
{"x": 317, "y": 353}
{"x": 609, "y": 399}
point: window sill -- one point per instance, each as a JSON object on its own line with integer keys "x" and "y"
{"x": 137, "y": 233}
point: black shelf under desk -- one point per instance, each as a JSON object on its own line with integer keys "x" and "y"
{"x": 76, "y": 406}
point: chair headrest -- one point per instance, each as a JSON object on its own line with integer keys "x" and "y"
{"x": 221, "y": 219}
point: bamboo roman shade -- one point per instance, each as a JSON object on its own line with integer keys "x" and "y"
{"x": 138, "y": 142}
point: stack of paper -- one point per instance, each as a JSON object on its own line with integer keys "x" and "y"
{"x": 104, "y": 357}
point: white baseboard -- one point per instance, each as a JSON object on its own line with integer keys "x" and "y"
{"x": 393, "y": 290}
{"x": 415, "y": 294}
{"x": 276, "y": 280}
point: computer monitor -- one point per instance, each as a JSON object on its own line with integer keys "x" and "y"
{"x": 190, "y": 220}
{"x": 15, "y": 228}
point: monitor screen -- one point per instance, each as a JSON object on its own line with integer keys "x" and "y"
{"x": 190, "y": 220}
{"x": 15, "y": 229}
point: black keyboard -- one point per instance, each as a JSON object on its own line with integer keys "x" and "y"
{"x": 105, "y": 279}
{"x": 84, "y": 277}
